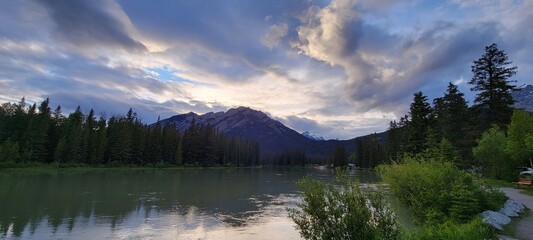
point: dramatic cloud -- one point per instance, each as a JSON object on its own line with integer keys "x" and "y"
{"x": 338, "y": 69}
{"x": 92, "y": 23}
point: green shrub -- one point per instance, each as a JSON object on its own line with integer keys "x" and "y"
{"x": 475, "y": 229}
{"x": 491, "y": 198}
{"x": 343, "y": 212}
{"x": 436, "y": 192}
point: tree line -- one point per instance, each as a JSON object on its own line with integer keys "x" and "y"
{"x": 31, "y": 134}
{"x": 448, "y": 128}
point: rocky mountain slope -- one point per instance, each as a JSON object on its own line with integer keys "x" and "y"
{"x": 272, "y": 135}
{"x": 524, "y": 98}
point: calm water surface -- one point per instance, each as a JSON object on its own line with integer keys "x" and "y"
{"x": 242, "y": 203}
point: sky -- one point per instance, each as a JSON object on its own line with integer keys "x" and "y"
{"x": 338, "y": 69}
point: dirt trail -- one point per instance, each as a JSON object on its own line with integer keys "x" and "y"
{"x": 524, "y": 228}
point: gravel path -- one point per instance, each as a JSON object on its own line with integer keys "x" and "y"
{"x": 524, "y": 228}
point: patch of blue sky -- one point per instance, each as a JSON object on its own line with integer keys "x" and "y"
{"x": 403, "y": 18}
{"x": 167, "y": 74}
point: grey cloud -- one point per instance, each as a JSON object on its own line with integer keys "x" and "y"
{"x": 383, "y": 69}
{"x": 217, "y": 38}
{"x": 91, "y": 23}
{"x": 274, "y": 34}
{"x": 301, "y": 124}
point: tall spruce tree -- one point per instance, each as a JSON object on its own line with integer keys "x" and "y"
{"x": 418, "y": 126}
{"x": 453, "y": 121}
{"x": 339, "y": 156}
{"x": 494, "y": 100}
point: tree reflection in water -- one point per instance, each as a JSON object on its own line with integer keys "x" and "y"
{"x": 46, "y": 203}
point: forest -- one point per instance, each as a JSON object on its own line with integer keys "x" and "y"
{"x": 31, "y": 135}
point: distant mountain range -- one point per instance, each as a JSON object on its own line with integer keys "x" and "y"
{"x": 272, "y": 135}
{"x": 524, "y": 98}
{"x": 275, "y": 137}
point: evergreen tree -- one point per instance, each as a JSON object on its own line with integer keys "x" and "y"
{"x": 155, "y": 140}
{"x": 418, "y": 127}
{"x": 179, "y": 152}
{"x": 73, "y": 136}
{"x": 208, "y": 147}
{"x": 120, "y": 140}
{"x": 494, "y": 100}
{"x": 339, "y": 156}
{"x": 55, "y": 133}
{"x": 101, "y": 141}
{"x": 394, "y": 140}
{"x": 192, "y": 143}
{"x": 9, "y": 152}
{"x": 89, "y": 146}
{"x": 453, "y": 121}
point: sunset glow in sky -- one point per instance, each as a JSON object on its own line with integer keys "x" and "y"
{"x": 338, "y": 69}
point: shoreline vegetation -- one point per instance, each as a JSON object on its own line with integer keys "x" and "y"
{"x": 436, "y": 155}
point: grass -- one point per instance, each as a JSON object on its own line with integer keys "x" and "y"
{"x": 502, "y": 183}
{"x": 496, "y": 183}
{"x": 527, "y": 190}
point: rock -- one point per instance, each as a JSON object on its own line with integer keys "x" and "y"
{"x": 495, "y": 219}
{"x": 514, "y": 206}
{"x": 508, "y": 212}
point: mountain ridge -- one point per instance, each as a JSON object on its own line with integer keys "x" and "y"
{"x": 312, "y": 136}
{"x": 272, "y": 135}
{"x": 524, "y": 98}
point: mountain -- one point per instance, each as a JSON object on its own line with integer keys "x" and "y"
{"x": 251, "y": 124}
{"x": 524, "y": 98}
{"x": 311, "y": 136}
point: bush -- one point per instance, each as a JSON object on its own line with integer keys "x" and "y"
{"x": 475, "y": 229}
{"x": 343, "y": 212}
{"x": 436, "y": 192}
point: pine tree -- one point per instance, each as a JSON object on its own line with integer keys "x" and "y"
{"x": 394, "y": 140}
{"x": 9, "y": 152}
{"x": 453, "y": 121}
{"x": 101, "y": 141}
{"x": 89, "y": 139}
{"x": 339, "y": 156}
{"x": 494, "y": 100}
{"x": 418, "y": 127}
{"x": 192, "y": 143}
{"x": 179, "y": 153}
{"x": 74, "y": 136}
{"x": 55, "y": 133}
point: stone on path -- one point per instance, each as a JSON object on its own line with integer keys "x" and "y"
{"x": 495, "y": 219}
{"x": 512, "y": 208}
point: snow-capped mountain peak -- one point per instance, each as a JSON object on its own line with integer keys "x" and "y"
{"x": 311, "y": 136}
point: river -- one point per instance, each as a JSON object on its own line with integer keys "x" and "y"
{"x": 225, "y": 203}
